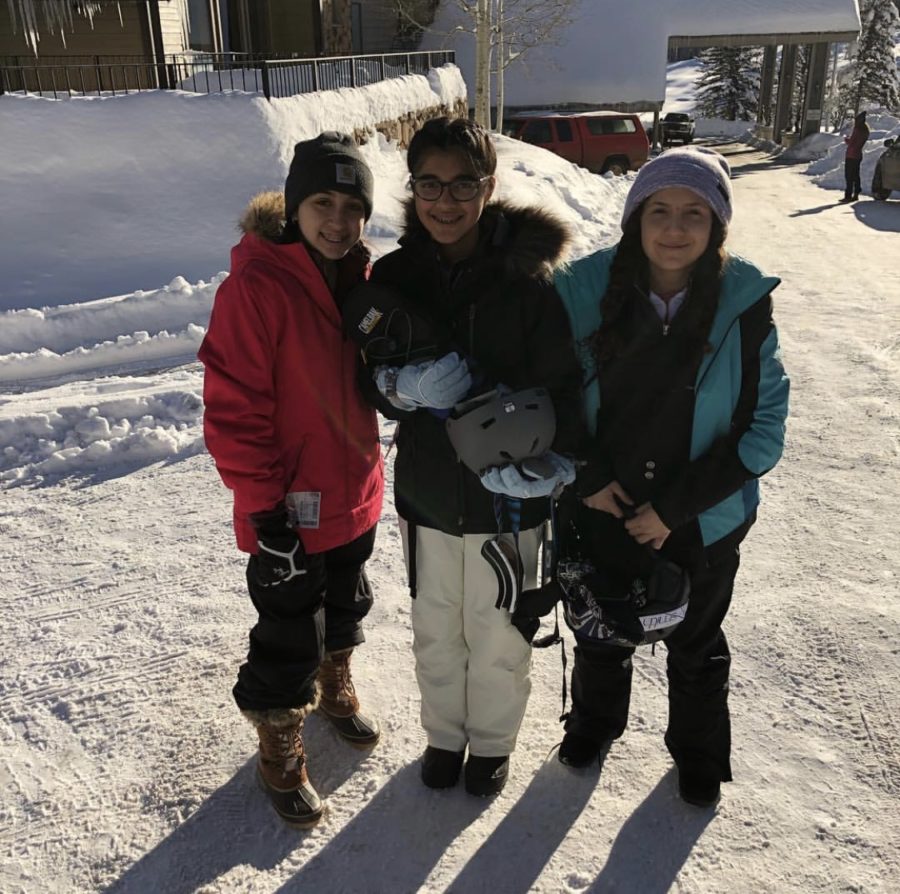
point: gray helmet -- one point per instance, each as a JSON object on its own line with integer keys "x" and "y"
{"x": 494, "y": 429}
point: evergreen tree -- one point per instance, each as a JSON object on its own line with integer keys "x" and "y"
{"x": 877, "y": 71}
{"x": 729, "y": 83}
{"x": 873, "y": 79}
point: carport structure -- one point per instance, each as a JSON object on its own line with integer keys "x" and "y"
{"x": 810, "y": 22}
{"x": 613, "y": 55}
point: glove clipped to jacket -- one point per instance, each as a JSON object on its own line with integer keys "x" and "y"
{"x": 530, "y": 478}
{"x": 433, "y": 384}
{"x": 281, "y": 556}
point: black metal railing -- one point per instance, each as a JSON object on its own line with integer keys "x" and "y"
{"x": 207, "y": 73}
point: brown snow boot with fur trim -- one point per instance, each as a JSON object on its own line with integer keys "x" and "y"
{"x": 281, "y": 767}
{"x": 340, "y": 704}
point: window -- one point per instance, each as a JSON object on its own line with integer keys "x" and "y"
{"x": 564, "y": 130}
{"x": 602, "y": 126}
{"x": 537, "y": 132}
{"x": 356, "y": 25}
{"x": 201, "y": 28}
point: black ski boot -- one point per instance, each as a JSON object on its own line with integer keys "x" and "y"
{"x": 440, "y": 768}
{"x": 486, "y": 776}
{"x": 580, "y": 752}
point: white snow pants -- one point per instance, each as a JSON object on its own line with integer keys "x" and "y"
{"x": 472, "y": 665}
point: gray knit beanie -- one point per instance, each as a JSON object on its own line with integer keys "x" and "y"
{"x": 701, "y": 170}
{"x": 330, "y": 161}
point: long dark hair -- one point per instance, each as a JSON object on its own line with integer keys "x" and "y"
{"x": 630, "y": 269}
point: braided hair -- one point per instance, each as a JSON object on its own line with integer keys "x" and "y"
{"x": 630, "y": 269}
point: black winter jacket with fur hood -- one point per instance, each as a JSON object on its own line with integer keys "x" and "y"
{"x": 500, "y": 308}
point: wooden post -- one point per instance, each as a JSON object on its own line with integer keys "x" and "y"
{"x": 785, "y": 91}
{"x": 815, "y": 90}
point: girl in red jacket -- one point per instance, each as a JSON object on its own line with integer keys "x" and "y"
{"x": 293, "y": 440}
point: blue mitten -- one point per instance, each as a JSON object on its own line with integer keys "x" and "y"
{"x": 439, "y": 384}
{"x": 386, "y": 382}
{"x": 514, "y": 481}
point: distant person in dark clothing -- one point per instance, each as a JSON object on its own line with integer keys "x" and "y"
{"x": 853, "y": 158}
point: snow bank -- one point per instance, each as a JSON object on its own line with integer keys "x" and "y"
{"x": 109, "y": 424}
{"x": 148, "y": 328}
{"x": 718, "y": 127}
{"x": 103, "y": 195}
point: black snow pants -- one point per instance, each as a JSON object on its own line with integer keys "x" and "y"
{"x": 853, "y": 184}
{"x": 697, "y": 664}
{"x": 320, "y": 611}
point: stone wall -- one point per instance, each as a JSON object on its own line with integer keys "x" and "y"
{"x": 401, "y": 130}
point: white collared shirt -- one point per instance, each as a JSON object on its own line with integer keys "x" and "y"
{"x": 667, "y": 309}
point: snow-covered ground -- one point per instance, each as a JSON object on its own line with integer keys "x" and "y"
{"x": 124, "y": 765}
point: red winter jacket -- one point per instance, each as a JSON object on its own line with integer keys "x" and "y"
{"x": 856, "y": 141}
{"x": 282, "y": 410}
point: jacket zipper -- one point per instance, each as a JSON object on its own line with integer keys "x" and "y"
{"x": 460, "y": 474}
{"x": 712, "y": 359}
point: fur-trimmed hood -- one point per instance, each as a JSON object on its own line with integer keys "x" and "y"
{"x": 264, "y": 216}
{"x": 534, "y": 241}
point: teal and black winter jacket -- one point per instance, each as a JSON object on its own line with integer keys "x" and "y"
{"x": 693, "y": 442}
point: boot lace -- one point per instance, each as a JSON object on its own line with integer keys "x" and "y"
{"x": 336, "y": 679}
{"x": 283, "y": 746}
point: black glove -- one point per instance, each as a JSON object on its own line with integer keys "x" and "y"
{"x": 281, "y": 556}
{"x": 532, "y": 606}
{"x": 540, "y": 601}
{"x": 528, "y": 627}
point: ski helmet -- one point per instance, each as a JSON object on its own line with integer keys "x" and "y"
{"x": 598, "y": 606}
{"x": 498, "y": 428}
{"x": 377, "y": 320}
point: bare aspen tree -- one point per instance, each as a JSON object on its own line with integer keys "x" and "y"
{"x": 504, "y": 30}
{"x": 501, "y": 69}
{"x": 483, "y": 63}
{"x": 520, "y": 26}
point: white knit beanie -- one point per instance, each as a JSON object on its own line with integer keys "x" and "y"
{"x": 701, "y": 170}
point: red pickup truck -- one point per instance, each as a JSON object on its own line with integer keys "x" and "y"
{"x": 598, "y": 141}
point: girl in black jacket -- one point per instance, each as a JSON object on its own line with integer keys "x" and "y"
{"x": 479, "y": 273}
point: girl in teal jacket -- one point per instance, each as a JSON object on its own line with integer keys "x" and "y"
{"x": 686, "y": 400}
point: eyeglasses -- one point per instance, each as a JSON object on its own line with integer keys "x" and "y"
{"x": 463, "y": 189}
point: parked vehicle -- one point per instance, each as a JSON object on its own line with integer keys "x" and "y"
{"x": 599, "y": 141}
{"x": 887, "y": 171}
{"x": 677, "y": 127}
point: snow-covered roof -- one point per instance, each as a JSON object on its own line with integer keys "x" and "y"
{"x": 616, "y": 53}
{"x": 759, "y": 17}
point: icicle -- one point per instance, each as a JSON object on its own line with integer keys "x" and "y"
{"x": 57, "y": 14}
